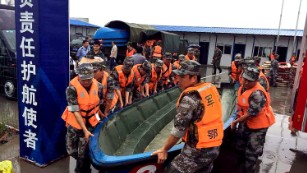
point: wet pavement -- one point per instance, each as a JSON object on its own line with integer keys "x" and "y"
{"x": 283, "y": 153}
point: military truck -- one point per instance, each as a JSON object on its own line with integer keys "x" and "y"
{"x": 8, "y": 80}
{"x": 124, "y": 32}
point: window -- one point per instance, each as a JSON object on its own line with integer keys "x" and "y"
{"x": 262, "y": 51}
{"x": 226, "y": 49}
{"x": 221, "y": 48}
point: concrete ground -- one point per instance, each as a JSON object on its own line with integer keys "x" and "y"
{"x": 283, "y": 153}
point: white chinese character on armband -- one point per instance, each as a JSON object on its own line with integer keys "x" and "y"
{"x": 30, "y": 117}
{"x": 26, "y": 47}
{"x": 26, "y": 2}
{"x": 30, "y": 139}
{"x": 27, "y": 70}
{"x": 28, "y": 95}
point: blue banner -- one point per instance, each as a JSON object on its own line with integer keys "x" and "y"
{"x": 42, "y": 45}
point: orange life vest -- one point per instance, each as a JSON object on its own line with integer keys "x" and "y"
{"x": 265, "y": 117}
{"x": 166, "y": 72}
{"x": 241, "y": 79}
{"x": 88, "y": 103}
{"x": 176, "y": 64}
{"x": 210, "y": 128}
{"x": 123, "y": 81}
{"x": 262, "y": 75}
{"x": 154, "y": 77}
{"x": 157, "y": 52}
{"x": 235, "y": 72}
{"x": 137, "y": 75}
{"x": 292, "y": 61}
{"x": 272, "y": 56}
{"x": 188, "y": 58}
{"x": 104, "y": 83}
{"x": 131, "y": 52}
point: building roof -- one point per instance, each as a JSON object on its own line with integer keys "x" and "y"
{"x": 227, "y": 30}
{"x": 76, "y": 22}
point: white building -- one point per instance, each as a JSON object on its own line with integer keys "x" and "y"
{"x": 247, "y": 41}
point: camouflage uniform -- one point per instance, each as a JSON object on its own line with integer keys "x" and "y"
{"x": 263, "y": 83}
{"x": 76, "y": 145}
{"x": 250, "y": 142}
{"x": 216, "y": 60}
{"x": 101, "y": 65}
{"x": 190, "y": 109}
{"x": 274, "y": 71}
{"x": 146, "y": 66}
{"x": 127, "y": 64}
{"x": 170, "y": 78}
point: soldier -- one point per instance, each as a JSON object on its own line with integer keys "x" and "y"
{"x": 274, "y": 70}
{"x": 180, "y": 59}
{"x": 198, "y": 122}
{"x": 176, "y": 65}
{"x": 108, "y": 87}
{"x": 190, "y": 55}
{"x": 156, "y": 74}
{"x": 263, "y": 80}
{"x": 84, "y": 98}
{"x": 236, "y": 70}
{"x": 216, "y": 60}
{"x": 123, "y": 81}
{"x": 130, "y": 50}
{"x": 157, "y": 51}
{"x": 167, "y": 77}
{"x": 255, "y": 116}
{"x": 141, "y": 80}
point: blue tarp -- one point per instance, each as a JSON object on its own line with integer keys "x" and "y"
{"x": 76, "y": 22}
{"x": 110, "y": 34}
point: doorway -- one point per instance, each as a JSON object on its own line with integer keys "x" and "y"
{"x": 204, "y": 51}
{"x": 238, "y": 48}
{"x": 282, "y": 52}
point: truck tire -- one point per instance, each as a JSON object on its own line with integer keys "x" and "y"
{"x": 10, "y": 89}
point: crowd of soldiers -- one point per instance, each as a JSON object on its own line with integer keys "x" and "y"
{"x": 94, "y": 93}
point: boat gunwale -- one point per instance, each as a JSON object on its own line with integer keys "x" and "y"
{"x": 100, "y": 159}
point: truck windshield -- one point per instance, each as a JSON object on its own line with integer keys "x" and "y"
{"x": 9, "y": 37}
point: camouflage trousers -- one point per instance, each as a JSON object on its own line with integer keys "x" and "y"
{"x": 193, "y": 160}
{"x": 249, "y": 144}
{"x": 77, "y": 147}
{"x": 273, "y": 75}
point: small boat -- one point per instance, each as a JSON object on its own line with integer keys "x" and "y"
{"x": 124, "y": 141}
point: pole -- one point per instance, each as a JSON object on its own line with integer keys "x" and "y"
{"x": 299, "y": 66}
{"x": 277, "y": 41}
{"x": 297, "y": 19}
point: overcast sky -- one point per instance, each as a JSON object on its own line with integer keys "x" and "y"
{"x": 213, "y": 13}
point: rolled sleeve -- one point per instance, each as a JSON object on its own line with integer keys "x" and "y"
{"x": 114, "y": 76}
{"x": 177, "y": 133}
{"x": 73, "y": 108}
{"x": 72, "y": 100}
{"x": 256, "y": 101}
{"x": 110, "y": 88}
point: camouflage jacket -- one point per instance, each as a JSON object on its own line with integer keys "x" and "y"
{"x": 115, "y": 82}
